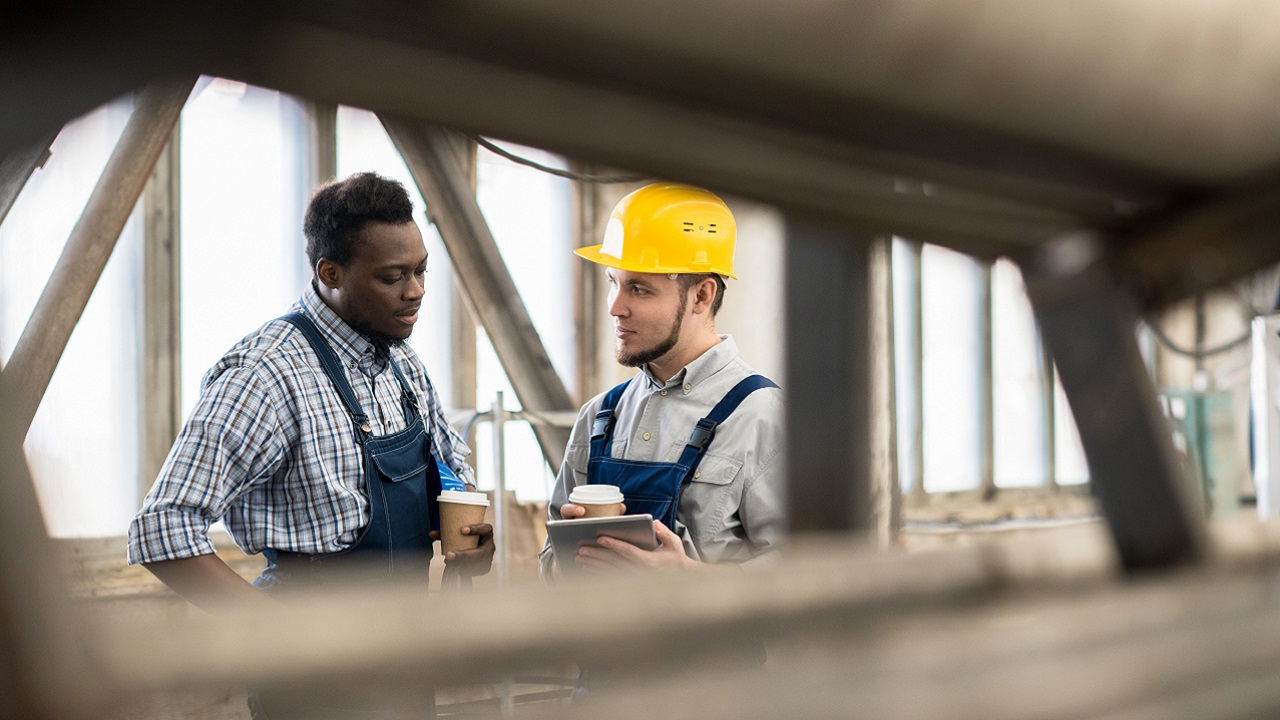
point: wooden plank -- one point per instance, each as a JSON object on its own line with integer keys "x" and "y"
{"x": 452, "y": 207}
{"x": 1087, "y": 322}
{"x": 40, "y": 347}
{"x": 828, "y": 377}
{"x": 161, "y": 393}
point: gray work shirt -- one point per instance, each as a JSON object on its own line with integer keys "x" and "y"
{"x": 732, "y": 511}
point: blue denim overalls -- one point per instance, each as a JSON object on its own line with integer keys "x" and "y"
{"x": 655, "y": 487}
{"x": 402, "y": 480}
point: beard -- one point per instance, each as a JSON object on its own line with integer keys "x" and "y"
{"x": 381, "y": 342}
{"x": 647, "y": 355}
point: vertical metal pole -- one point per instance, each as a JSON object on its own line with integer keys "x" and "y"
{"x": 986, "y": 384}
{"x": 828, "y": 378}
{"x": 1049, "y": 408}
{"x": 501, "y": 552}
{"x": 499, "y": 419}
{"x": 916, "y": 332}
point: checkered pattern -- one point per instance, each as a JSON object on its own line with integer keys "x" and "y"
{"x": 270, "y": 447}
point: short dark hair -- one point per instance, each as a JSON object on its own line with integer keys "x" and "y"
{"x": 689, "y": 280}
{"x": 339, "y": 211}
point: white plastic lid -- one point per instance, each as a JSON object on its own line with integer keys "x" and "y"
{"x": 466, "y": 498}
{"x": 595, "y": 495}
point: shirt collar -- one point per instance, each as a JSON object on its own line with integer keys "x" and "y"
{"x": 346, "y": 340}
{"x": 704, "y": 366}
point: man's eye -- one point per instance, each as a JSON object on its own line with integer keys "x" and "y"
{"x": 390, "y": 280}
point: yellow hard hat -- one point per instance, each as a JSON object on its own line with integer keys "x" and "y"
{"x": 668, "y": 228}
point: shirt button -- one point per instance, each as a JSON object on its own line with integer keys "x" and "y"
{"x": 697, "y": 473}
{"x": 663, "y": 393}
{"x": 687, "y": 387}
{"x": 646, "y": 436}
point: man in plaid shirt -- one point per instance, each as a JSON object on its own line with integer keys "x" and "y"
{"x": 318, "y": 439}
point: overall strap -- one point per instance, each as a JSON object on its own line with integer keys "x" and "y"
{"x": 705, "y": 430}
{"x": 408, "y": 398}
{"x": 332, "y": 368}
{"x": 602, "y": 428}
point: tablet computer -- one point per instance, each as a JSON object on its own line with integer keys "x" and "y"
{"x": 568, "y": 535}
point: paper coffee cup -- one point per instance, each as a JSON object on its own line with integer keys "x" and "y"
{"x": 459, "y": 509}
{"x": 598, "y": 500}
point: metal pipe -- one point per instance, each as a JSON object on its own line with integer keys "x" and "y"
{"x": 499, "y": 419}
{"x": 986, "y": 385}
{"x": 40, "y": 347}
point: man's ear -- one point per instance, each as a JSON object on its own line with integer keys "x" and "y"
{"x": 704, "y": 295}
{"x": 329, "y": 273}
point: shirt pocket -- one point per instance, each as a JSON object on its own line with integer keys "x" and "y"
{"x": 576, "y": 458}
{"x": 711, "y": 496}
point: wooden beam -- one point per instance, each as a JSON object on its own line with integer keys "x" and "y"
{"x": 828, "y": 378}
{"x": 452, "y": 207}
{"x": 160, "y": 395}
{"x": 39, "y": 348}
{"x": 1088, "y": 323}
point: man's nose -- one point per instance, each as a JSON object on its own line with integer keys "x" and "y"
{"x": 416, "y": 287}
{"x": 617, "y": 308}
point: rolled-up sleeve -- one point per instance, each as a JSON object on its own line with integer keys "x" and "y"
{"x": 232, "y": 440}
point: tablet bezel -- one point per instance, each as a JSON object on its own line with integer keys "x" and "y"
{"x": 567, "y": 536}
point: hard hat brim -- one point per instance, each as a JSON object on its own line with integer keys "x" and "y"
{"x": 592, "y": 253}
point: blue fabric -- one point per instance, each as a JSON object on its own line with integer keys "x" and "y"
{"x": 655, "y": 487}
{"x": 402, "y": 481}
{"x": 269, "y": 450}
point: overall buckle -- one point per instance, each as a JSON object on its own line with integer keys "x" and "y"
{"x": 602, "y": 425}
{"x": 702, "y": 434}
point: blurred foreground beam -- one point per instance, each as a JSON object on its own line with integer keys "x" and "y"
{"x": 828, "y": 279}
{"x": 452, "y": 208}
{"x": 1203, "y": 247}
{"x": 1088, "y": 324}
{"x": 880, "y": 623}
{"x": 43, "y": 340}
{"x": 44, "y": 672}
{"x": 630, "y": 620}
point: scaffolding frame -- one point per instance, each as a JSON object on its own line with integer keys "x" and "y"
{"x": 1087, "y": 143}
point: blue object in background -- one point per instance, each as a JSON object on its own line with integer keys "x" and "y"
{"x": 449, "y": 481}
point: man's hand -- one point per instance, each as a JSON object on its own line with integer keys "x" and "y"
{"x": 614, "y": 554}
{"x": 569, "y": 511}
{"x": 472, "y": 563}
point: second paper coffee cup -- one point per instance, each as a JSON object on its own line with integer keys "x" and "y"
{"x": 598, "y": 500}
{"x": 459, "y": 509}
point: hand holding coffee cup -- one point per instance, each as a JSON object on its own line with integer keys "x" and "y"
{"x": 460, "y": 509}
{"x": 595, "y": 501}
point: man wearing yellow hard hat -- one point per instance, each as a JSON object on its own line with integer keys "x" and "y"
{"x": 695, "y": 438}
